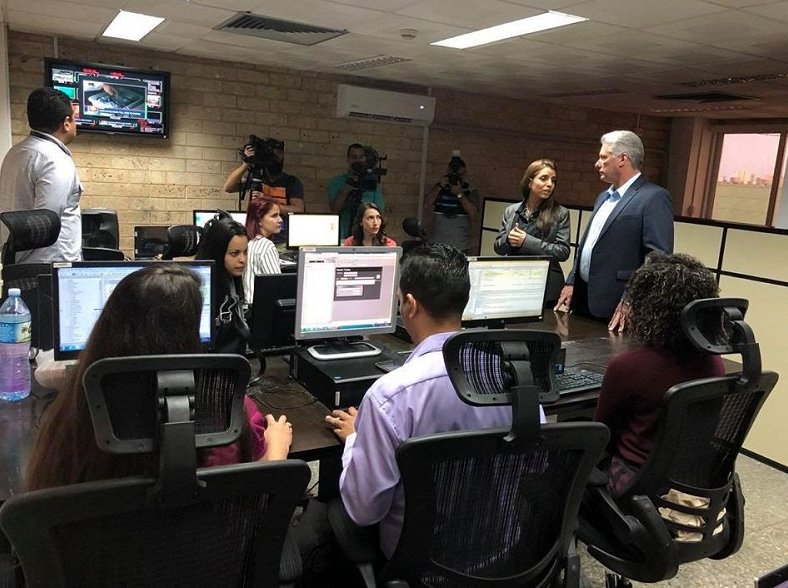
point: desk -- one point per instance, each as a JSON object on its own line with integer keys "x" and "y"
{"x": 588, "y": 343}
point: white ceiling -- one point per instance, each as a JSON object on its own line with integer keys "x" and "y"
{"x": 629, "y": 52}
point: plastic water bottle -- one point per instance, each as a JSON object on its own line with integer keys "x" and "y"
{"x": 14, "y": 348}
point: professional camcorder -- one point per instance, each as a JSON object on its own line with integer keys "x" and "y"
{"x": 368, "y": 171}
{"x": 264, "y": 152}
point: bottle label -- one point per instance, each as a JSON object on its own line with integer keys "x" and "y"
{"x": 15, "y": 332}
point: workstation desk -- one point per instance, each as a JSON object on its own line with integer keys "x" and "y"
{"x": 588, "y": 343}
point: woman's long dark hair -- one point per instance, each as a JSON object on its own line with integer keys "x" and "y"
{"x": 358, "y": 228}
{"x": 217, "y": 234}
{"x": 155, "y": 310}
{"x": 548, "y": 209}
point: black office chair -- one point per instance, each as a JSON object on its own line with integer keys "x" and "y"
{"x": 412, "y": 227}
{"x": 182, "y": 526}
{"x": 28, "y": 229}
{"x": 100, "y": 228}
{"x": 702, "y": 426}
{"x": 182, "y": 241}
{"x": 494, "y": 507}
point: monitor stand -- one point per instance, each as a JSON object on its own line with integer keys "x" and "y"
{"x": 340, "y": 349}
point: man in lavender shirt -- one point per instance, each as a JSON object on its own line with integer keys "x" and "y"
{"x": 414, "y": 400}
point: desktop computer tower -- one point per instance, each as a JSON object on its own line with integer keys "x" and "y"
{"x": 337, "y": 383}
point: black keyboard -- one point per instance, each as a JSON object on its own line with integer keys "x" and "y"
{"x": 574, "y": 381}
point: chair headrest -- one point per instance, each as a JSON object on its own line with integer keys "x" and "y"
{"x": 495, "y": 367}
{"x": 29, "y": 229}
{"x": 717, "y": 326}
{"x": 129, "y": 398}
{"x": 183, "y": 240}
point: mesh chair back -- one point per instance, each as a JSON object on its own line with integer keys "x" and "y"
{"x": 182, "y": 241}
{"x": 483, "y": 512}
{"x": 102, "y": 254}
{"x": 28, "y": 229}
{"x": 109, "y": 533}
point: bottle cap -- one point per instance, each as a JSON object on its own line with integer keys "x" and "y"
{"x": 14, "y": 292}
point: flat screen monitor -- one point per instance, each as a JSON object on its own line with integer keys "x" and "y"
{"x": 114, "y": 99}
{"x": 273, "y": 311}
{"x": 203, "y": 216}
{"x": 81, "y": 288}
{"x": 149, "y": 241}
{"x": 346, "y": 292}
{"x": 312, "y": 230}
{"x": 506, "y": 290}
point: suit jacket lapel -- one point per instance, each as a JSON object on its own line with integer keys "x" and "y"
{"x": 622, "y": 204}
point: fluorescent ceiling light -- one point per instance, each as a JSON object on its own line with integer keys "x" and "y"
{"x": 131, "y": 26}
{"x": 517, "y": 28}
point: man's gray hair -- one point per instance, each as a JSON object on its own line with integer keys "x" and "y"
{"x": 625, "y": 142}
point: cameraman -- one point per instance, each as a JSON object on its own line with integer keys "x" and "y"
{"x": 262, "y": 171}
{"x": 453, "y": 201}
{"x": 344, "y": 195}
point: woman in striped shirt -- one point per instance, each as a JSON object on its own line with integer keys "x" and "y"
{"x": 263, "y": 221}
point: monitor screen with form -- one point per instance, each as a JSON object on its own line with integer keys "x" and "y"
{"x": 506, "y": 289}
{"x": 346, "y": 291}
{"x": 80, "y": 290}
{"x": 203, "y": 216}
{"x": 312, "y": 230}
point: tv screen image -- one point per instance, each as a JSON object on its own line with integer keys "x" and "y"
{"x": 114, "y": 99}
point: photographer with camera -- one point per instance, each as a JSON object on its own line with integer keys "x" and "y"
{"x": 360, "y": 184}
{"x": 452, "y": 201}
{"x": 261, "y": 174}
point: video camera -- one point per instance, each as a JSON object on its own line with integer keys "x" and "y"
{"x": 264, "y": 152}
{"x": 369, "y": 171}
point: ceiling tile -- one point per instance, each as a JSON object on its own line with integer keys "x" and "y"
{"x": 644, "y": 13}
{"x": 468, "y": 13}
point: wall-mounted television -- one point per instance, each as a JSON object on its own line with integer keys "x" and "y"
{"x": 114, "y": 99}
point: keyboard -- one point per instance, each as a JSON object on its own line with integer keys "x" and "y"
{"x": 574, "y": 381}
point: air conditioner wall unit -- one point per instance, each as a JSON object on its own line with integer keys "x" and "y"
{"x": 384, "y": 106}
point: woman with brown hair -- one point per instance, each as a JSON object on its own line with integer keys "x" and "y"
{"x": 263, "y": 222}
{"x": 368, "y": 228}
{"x": 538, "y": 225}
{"x": 155, "y": 310}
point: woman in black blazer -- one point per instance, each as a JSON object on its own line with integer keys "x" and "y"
{"x": 538, "y": 225}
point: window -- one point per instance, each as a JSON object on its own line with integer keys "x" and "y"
{"x": 750, "y": 179}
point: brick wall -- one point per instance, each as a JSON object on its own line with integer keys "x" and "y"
{"x": 216, "y": 104}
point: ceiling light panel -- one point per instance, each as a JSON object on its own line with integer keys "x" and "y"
{"x": 131, "y": 26}
{"x": 517, "y": 28}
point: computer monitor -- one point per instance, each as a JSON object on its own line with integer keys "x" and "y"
{"x": 100, "y": 228}
{"x": 150, "y": 241}
{"x": 505, "y": 290}
{"x": 81, "y": 288}
{"x": 315, "y": 230}
{"x": 203, "y": 216}
{"x": 346, "y": 292}
{"x": 272, "y": 320}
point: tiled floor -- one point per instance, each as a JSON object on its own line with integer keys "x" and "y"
{"x": 765, "y": 543}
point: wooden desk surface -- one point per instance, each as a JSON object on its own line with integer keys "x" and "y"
{"x": 588, "y": 343}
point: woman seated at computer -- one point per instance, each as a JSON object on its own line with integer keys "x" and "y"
{"x": 368, "y": 228}
{"x": 636, "y": 381}
{"x": 263, "y": 221}
{"x": 224, "y": 241}
{"x": 538, "y": 225}
{"x": 155, "y": 310}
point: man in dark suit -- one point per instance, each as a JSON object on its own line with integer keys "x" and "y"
{"x": 630, "y": 219}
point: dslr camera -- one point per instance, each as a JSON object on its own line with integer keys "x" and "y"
{"x": 455, "y": 163}
{"x": 264, "y": 156}
{"x": 369, "y": 171}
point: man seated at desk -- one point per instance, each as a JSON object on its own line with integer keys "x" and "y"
{"x": 414, "y": 400}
